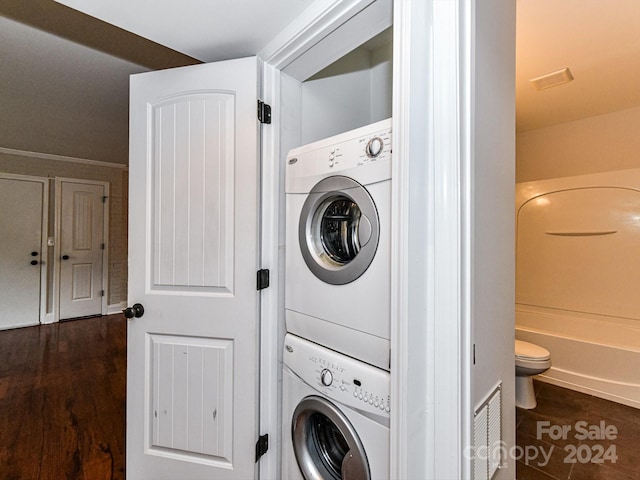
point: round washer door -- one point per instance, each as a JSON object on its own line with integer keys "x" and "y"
{"x": 325, "y": 443}
{"x": 338, "y": 230}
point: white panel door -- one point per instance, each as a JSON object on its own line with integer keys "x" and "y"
{"x": 192, "y": 397}
{"x": 81, "y": 249}
{"x": 21, "y": 204}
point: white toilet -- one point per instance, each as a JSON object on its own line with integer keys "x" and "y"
{"x": 531, "y": 360}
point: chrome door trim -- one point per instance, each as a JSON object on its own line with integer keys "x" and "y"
{"x": 318, "y": 262}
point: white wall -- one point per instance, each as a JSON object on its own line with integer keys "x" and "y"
{"x": 350, "y": 93}
{"x": 493, "y": 172}
{"x": 591, "y": 145}
{"x": 381, "y": 82}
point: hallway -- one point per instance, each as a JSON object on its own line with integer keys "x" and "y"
{"x": 62, "y": 400}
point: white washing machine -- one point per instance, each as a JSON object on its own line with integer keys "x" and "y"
{"x": 335, "y": 415}
{"x": 338, "y": 202}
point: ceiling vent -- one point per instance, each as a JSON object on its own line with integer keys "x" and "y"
{"x": 552, "y": 79}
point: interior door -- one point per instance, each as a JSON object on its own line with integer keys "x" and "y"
{"x": 81, "y": 248}
{"x": 21, "y": 213}
{"x": 192, "y": 377}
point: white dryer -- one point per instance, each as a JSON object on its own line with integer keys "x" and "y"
{"x": 335, "y": 415}
{"x": 338, "y": 202}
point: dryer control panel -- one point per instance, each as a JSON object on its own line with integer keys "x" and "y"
{"x": 363, "y": 154}
{"x": 339, "y": 377}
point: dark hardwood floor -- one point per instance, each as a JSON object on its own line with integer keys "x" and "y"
{"x": 62, "y": 412}
{"x": 62, "y": 400}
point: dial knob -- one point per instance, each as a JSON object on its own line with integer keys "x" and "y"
{"x": 326, "y": 377}
{"x": 374, "y": 147}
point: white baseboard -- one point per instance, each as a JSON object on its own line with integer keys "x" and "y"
{"x": 116, "y": 308}
{"x": 48, "y": 318}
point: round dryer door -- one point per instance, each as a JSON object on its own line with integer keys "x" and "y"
{"x": 325, "y": 443}
{"x": 339, "y": 230}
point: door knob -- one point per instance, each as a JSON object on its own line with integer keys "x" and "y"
{"x": 65, "y": 257}
{"x": 34, "y": 254}
{"x": 34, "y": 262}
{"x": 136, "y": 311}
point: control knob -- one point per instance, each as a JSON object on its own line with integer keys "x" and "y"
{"x": 326, "y": 377}
{"x": 374, "y": 147}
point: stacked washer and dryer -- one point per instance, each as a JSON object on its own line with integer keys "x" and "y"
{"x": 336, "y": 402}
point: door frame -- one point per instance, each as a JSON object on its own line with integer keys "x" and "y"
{"x": 44, "y": 255}
{"x": 432, "y": 72}
{"x": 57, "y": 236}
{"x": 311, "y": 29}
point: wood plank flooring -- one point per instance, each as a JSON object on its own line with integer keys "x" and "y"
{"x": 62, "y": 400}
{"x": 62, "y": 410}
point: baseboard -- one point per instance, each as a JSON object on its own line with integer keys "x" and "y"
{"x": 116, "y": 308}
{"x": 48, "y": 318}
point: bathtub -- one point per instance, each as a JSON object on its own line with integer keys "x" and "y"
{"x": 577, "y": 275}
{"x": 593, "y": 354}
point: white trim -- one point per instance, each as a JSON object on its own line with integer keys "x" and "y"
{"x": 316, "y": 22}
{"x": 44, "y": 249}
{"x": 320, "y": 20}
{"x": 57, "y": 236}
{"x": 114, "y": 308}
{"x": 105, "y": 251}
{"x": 44, "y": 234}
{"x": 466, "y": 132}
{"x": 413, "y": 288}
{"x": 430, "y": 377}
{"x": 61, "y": 158}
{"x": 450, "y": 177}
{"x": 399, "y": 454}
{"x": 270, "y": 341}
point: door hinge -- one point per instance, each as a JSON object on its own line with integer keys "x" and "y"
{"x": 102, "y": 293}
{"x": 104, "y": 199}
{"x": 264, "y": 112}
{"x": 263, "y": 279}
{"x": 262, "y": 445}
{"x": 102, "y": 246}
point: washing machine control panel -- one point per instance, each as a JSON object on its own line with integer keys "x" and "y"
{"x": 339, "y": 377}
{"x": 326, "y": 377}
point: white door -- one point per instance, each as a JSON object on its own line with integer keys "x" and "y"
{"x": 192, "y": 377}
{"x": 21, "y": 203}
{"x": 81, "y": 248}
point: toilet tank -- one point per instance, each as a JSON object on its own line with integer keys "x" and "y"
{"x": 578, "y": 245}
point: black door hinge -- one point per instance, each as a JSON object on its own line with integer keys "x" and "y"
{"x": 102, "y": 293}
{"x": 262, "y": 445}
{"x": 104, "y": 199}
{"x": 264, "y": 112}
{"x": 263, "y": 279}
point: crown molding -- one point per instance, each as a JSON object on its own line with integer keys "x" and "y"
{"x": 62, "y": 158}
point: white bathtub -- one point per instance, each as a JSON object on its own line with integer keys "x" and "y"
{"x": 592, "y": 354}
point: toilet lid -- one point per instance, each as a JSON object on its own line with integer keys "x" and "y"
{"x": 530, "y": 351}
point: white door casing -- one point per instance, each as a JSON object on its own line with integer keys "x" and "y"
{"x": 192, "y": 365}
{"x": 22, "y": 254}
{"x": 82, "y": 245}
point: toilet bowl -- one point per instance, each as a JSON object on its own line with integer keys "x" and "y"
{"x": 531, "y": 360}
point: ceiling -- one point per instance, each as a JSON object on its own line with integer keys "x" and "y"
{"x": 64, "y": 74}
{"x": 598, "y": 40}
